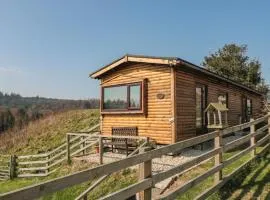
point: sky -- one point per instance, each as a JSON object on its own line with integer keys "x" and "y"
{"x": 49, "y": 47}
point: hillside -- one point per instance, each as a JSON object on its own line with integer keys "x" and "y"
{"x": 45, "y": 134}
{"x": 17, "y": 111}
{"x": 41, "y": 103}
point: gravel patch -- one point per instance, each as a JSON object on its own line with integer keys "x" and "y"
{"x": 160, "y": 164}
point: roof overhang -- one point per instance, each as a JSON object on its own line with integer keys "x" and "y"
{"x": 166, "y": 61}
{"x": 134, "y": 58}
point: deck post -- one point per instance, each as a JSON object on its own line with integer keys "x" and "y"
{"x": 100, "y": 150}
{"x": 68, "y": 149}
{"x": 218, "y": 157}
{"x": 252, "y": 139}
{"x": 12, "y": 167}
{"x": 145, "y": 171}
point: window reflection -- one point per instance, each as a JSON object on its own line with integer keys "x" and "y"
{"x": 122, "y": 97}
{"x": 115, "y": 97}
{"x": 135, "y": 97}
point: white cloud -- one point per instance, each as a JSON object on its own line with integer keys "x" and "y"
{"x": 10, "y": 70}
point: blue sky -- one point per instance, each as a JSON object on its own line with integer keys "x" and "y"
{"x": 48, "y": 48}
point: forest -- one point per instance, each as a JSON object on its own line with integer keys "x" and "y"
{"x": 18, "y": 111}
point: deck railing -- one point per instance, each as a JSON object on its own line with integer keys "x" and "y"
{"x": 148, "y": 180}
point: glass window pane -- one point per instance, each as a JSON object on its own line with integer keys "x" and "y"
{"x": 249, "y": 112}
{"x": 115, "y": 97}
{"x": 135, "y": 96}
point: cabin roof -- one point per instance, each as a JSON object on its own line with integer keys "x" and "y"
{"x": 217, "y": 106}
{"x": 166, "y": 61}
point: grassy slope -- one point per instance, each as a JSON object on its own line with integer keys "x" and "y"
{"x": 254, "y": 184}
{"x": 48, "y": 133}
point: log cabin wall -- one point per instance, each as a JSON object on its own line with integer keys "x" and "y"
{"x": 186, "y": 81}
{"x": 155, "y": 123}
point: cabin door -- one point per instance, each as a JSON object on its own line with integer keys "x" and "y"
{"x": 201, "y": 103}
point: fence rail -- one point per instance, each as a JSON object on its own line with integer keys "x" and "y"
{"x": 4, "y": 167}
{"x": 39, "y": 165}
{"x": 148, "y": 180}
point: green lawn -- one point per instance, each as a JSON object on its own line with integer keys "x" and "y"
{"x": 255, "y": 184}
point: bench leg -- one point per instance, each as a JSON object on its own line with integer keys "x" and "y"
{"x": 126, "y": 146}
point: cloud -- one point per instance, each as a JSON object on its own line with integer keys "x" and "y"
{"x": 12, "y": 70}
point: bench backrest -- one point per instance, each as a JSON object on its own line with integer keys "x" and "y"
{"x": 124, "y": 131}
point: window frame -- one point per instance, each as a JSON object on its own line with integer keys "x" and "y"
{"x": 128, "y": 109}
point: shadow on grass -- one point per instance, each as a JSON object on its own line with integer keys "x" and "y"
{"x": 237, "y": 183}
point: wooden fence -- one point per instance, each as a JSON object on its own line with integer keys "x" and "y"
{"x": 5, "y": 163}
{"x": 39, "y": 165}
{"x": 148, "y": 180}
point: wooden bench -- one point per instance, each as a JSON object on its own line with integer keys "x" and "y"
{"x": 126, "y": 144}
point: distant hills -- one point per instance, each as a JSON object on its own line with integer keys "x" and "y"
{"x": 17, "y": 111}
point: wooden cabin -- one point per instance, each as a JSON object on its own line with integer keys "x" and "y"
{"x": 166, "y": 97}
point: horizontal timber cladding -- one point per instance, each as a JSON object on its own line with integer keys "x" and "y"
{"x": 155, "y": 122}
{"x": 186, "y": 81}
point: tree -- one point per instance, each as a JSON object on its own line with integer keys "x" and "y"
{"x": 231, "y": 61}
{"x": 23, "y": 117}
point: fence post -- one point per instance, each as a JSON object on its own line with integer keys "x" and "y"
{"x": 269, "y": 124}
{"x": 252, "y": 139}
{"x": 145, "y": 171}
{"x": 100, "y": 150}
{"x": 12, "y": 167}
{"x": 68, "y": 149}
{"x": 47, "y": 163}
{"x": 83, "y": 145}
{"x": 218, "y": 157}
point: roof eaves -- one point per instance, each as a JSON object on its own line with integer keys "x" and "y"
{"x": 134, "y": 58}
{"x": 208, "y": 72}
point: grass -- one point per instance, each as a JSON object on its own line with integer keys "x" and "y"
{"x": 224, "y": 193}
{"x": 252, "y": 183}
{"x": 123, "y": 179}
{"x": 46, "y": 134}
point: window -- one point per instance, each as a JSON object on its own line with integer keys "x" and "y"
{"x": 201, "y": 103}
{"x": 249, "y": 109}
{"x": 126, "y": 97}
{"x": 115, "y": 97}
{"x": 246, "y": 109}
